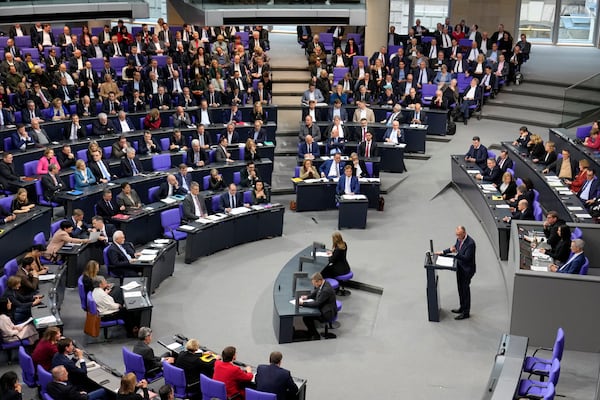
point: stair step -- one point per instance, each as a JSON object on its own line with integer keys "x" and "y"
{"x": 536, "y": 103}
{"x": 522, "y": 116}
{"x": 551, "y": 92}
{"x": 286, "y": 101}
{"x": 291, "y": 76}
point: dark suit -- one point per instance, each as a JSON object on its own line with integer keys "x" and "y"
{"x": 127, "y": 169}
{"x": 363, "y": 169}
{"x": 422, "y": 116}
{"x": 154, "y": 148}
{"x": 77, "y": 375}
{"x": 117, "y": 124}
{"x": 180, "y": 178}
{"x": 189, "y": 209}
{"x": 225, "y": 203}
{"x": 465, "y": 269}
{"x": 163, "y": 191}
{"x": 258, "y": 137}
{"x": 81, "y": 132}
{"x": 65, "y": 392}
{"x": 593, "y": 190}
{"x": 326, "y": 167}
{"x": 303, "y": 149}
{"x": 96, "y": 171}
{"x": 480, "y": 155}
{"x": 324, "y": 300}
{"x": 362, "y": 148}
{"x": 193, "y": 366}
{"x": 118, "y": 262}
{"x": 151, "y": 362}
{"x": 493, "y": 175}
{"x": 7, "y": 175}
{"x": 508, "y": 163}
{"x": 274, "y": 379}
{"x": 573, "y": 266}
{"x": 220, "y": 154}
{"x": 354, "y": 185}
{"x": 49, "y": 188}
{"x": 105, "y": 210}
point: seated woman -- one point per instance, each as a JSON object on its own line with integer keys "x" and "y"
{"x": 36, "y": 253}
{"x": 83, "y": 175}
{"x": 92, "y": 269}
{"x": 129, "y": 387}
{"x": 338, "y": 264}
{"x": 308, "y": 171}
{"x": 21, "y": 304}
{"x": 46, "y": 160}
{"x": 58, "y": 111}
{"x": 152, "y": 120}
{"x": 508, "y": 187}
{"x": 215, "y": 182}
{"x": 536, "y": 147}
{"x": 549, "y": 155}
{"x": 250, "y": 152}
{"x": 593, "y": 141}
{"x": 561, "y": 250}
{"x": 443, "y": 76}
{"x": 478, "y": 67}
{"x": 128, "y": 198}
{"x": 61, "y": 237}
{"x": 580, "y": 179}
{"x": 11, "y": 332}
{"x": 10, "y": 388}
{"x": 259, "y": 194}
{"x": 258, "y": 113}
{"x": 192, "y": 364}
{"x": 46, "y": 348}
{"x": 21, "y": 204}
{"x": 177, "y": 141}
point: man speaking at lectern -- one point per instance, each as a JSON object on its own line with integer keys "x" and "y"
{"x": 464, "y": 253}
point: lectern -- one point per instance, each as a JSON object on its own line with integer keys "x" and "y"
{"x": 433, "y": 295}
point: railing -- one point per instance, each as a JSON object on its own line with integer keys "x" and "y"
{"x": 581, "y": 102}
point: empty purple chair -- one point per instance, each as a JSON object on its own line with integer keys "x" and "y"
{"x": 212, "y": 389}
{"x": 237, "y": 177}
{"x": 583, "y": 131}
{"x": 344, "y": 278}
{"x": 576, "y": 234}
{"x": 215, "y": 203}
{"x": 164, "y": 143}
{"x": 205, "y": 182}
{"x": 81, "y": 291}
{"x": 427, "y": 93}
{"x": 369, "y": 165}
{"x": 6, "y": 202}
{"x": 175, "y": 377}
{"x": 93, "y": 309}
{"x": 584, "y": 267}
{"x": 10, "y": 268}
{"x": 82, "y": 155}
{"x": 537, "y": 211}
{"x": 334, "y": 283}
{"x": 252, "y": 394}
{"x": 296, "y": 172}
{"x": 161, "y": 162}
{"x": 161, "y": 60}
{"x": 536, "y": 389}
{"x": 170, "y": 220}
{"x": 153, "y": 193}
{"x": 327, "y": 39}
{"x": 22, "y": 41}
{"x": 541, "y": 366}
{"x": 27, "y": 368}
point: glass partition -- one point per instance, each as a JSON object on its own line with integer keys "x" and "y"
{"x": 399, "y": 14}
{"x": 580, "y": 101}
{"x": 577, "y": 21}
{"x": 537, "y": 19}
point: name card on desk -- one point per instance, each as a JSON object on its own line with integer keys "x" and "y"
{"x": 239, "y": 210}
{"x": 372, "y": 180}
{"x": 187, "y": 228}
{"x": 128, "y": 295}
{"x": 354, "y": 197}
{"x": 169, "y": 200}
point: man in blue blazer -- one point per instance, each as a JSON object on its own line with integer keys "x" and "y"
{"x": 121, "y": 121}
{"x": 274, "y": 379}
{"x": 394, "y": 134}
{"x": 590, "y": 190}
{"x": 464, "y": 253}
{"x": 348, "y": 183}
{"x": 231, "y": 199}
{"x": 575, "y": 261}
{"x": 333, "y": 168}
{"x": 309, "y": 149}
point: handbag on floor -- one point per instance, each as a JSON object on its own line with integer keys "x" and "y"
{"x": 92, "y": 325}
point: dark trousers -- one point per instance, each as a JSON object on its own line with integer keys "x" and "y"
{"x": 464, "y": 107}
{"x": 310, "y": 325}
{"x": 463, "y": 282}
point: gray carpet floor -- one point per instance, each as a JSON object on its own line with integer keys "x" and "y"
{"x": 386, "y": 348}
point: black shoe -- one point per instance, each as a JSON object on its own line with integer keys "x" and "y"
{"x": 466, "y": 121}
{"x": 457, "y": 311}
{"x": 462, "y": 316}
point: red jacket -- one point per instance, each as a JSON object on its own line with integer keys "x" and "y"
{"x": 232, "y": 376}
{"x": 43, "y": 353}
{"x": 150, "y": 124}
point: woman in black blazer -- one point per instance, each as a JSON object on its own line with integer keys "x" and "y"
{"x": 129, "y": 387}
{"x": 10, "y": 388}
{"x": 549, "y": 155}
{"x": 508, "y": 187}
{"x": 251, "y": 153}
{"x": 338, "y": 264}
{"x": 562, "y": 250}
{"x": 215, "y": 182}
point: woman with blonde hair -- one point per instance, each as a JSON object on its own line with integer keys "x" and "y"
{"x": 21, "y": 204}
{"x": 338, "y": 264}
{"x": 129, "y": 387}
{"x": 308, "y": 171}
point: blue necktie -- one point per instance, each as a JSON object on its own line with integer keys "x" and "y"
{"x": 133, "y": 167}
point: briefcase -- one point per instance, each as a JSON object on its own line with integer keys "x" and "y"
{"x": 293, "y": 205}
{"x": 92, "y": 325}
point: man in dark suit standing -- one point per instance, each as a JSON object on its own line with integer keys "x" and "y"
{"x": 464, "y": 253}
{"x": 477, "y": 153}
{"x": 323, "y": 298}
{"x": 274, "y": 379}
{"x": 51, "y": 182}
{"x": 194, "y": 204}
{"x": 231, "y": 199}
{"x": 368, "y": 147}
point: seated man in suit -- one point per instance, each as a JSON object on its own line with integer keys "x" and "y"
{"x": 471, "y": 96}
{"x": 75, "y": 130}
{"x": 103, "y": 127}
{"x": 234, "y": 114}
{"x": 418, "y": 116}
{"x": 99, "y": 168}
{"x": 339, "y": 110}
{"x": 348, "y": 183}
{"x": 332, "y": 168}
{"x": 71, "y": 359}
{"x": 231, "y": 199}
{"x": 123, "y": 123}
{"x": 258, "y": 134}
{"x": 368, "y": 147}
{"x": 590, "y": 191}
{"x": 181, "y": 119}
{"x": 51, "y": 183}
{"x": 308, "y": 127}
{"x": 170, "y": 188}
{"x": 312, "y": 94}
{"x": 121, "y": 255}
{"x": 491, "y": 173}
{"x": 196, "y": 156}
{"x": 152, "y": 364}
{"x": 274, "y": 379}
{"x": 359, "y": 167}
{"x": 323, "y": 298}
{"x": 504, "y": 161}
{"x": 523, "y": 212}
{"x": 149, "y": 145}
{"x": 249, "y": 175}
{"x": 184, "y": 178}
{"x": 194, "y": 204}
{"x": 575, "y": 261}
{"x": 81, "y": 228}
{"x": 221, "y": 153}
{"x": 477, "y": 153}
{"x": 106, "y": 230}
{"x": 565, "y": 167}
{"x": 131, "y": 165}
{"x": 394, "y": 134}
{"x": 106, "y": 207}
{"x": 60, "y": 388}
{"x": 309, "y": 149}
{"x": 231, "y": 135}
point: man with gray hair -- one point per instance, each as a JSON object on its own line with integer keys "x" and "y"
{"x": 131, "y": 165}
{"x": 575, "y": 261}
{"x": 170, "y": 188}
{"x": 102, "y": 127}
{"x": 194, "y": 204}
{"x": 181, "y": 119}
{"x": 196, "y": 156}
{"x": 108, "y": 308}
{"x": 152, "y": 363}
{"x": 60, "y": 388}
{"x": 121, "y": 255}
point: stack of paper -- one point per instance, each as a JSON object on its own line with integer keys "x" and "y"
{"x": 47, "y": 277}
{"x": 353, "y": 196}
{"x": 161, "y": 241}
{"x": 131, "y": 285}
{"x": 187, "y": 228}
{"x": 239, "y": 210}
{"x": 168, "y": 200}
{"x": 128, "y": 295}
{"x": 45, "y": 320}
{"x": 147, "y": 257}
{"x": 151, "y": 252}
{"x": 444, "y": 261}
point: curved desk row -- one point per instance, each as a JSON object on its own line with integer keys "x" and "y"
{"x": 136, "y": 138}
{"x": 16, "y": 237}
{"x": 317, "y": 196}
{"x": 141, "y": 183}
{"x": 552, "y": 196}
{"x": 223, "y": 231}
{"x": 488, "y": 207}
{"x": 284, "y": 312}
{"x": 565, "y": 140}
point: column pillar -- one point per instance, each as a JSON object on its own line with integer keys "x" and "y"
{"x": 378, "y": 16}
